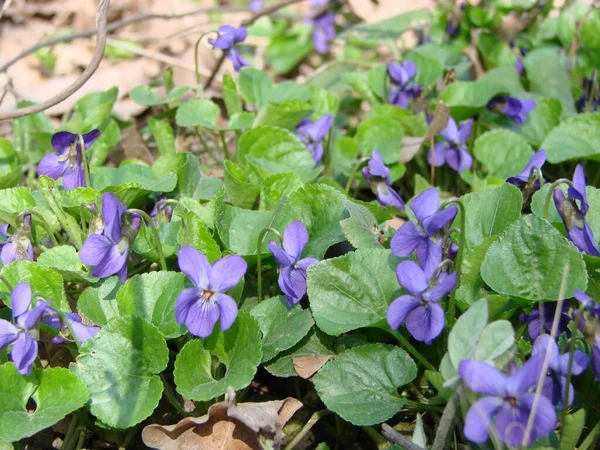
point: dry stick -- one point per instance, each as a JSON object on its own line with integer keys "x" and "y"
{"x": 246, "y": 22}
{"x": 111, "y": 27}
{"x": 544, "y": 370}
{"x": 5, "y": 7}
{"x": 85, "y": 75}
{"x": 447, "y": 421}
{"x": 396, "y": 438}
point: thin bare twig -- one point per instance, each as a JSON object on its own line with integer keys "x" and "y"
{"x": 396, "y": 438}
{"x": 85, "y": 75}
{"x": 111, "y": 27}
{"x": 5, "y": 7}
{"x": 247, "y": 22}
{"x": 447, "y": 421}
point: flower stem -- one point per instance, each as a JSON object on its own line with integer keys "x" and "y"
{"x": 42, "y": 220}
{"x": 224, "y": 144}
{"x": 205, "y": 146}
{"x": 261, "y": 236}
{"x": 196, "y": 46}
{"x": 306, "y": 428}
{"x": 327, "y": 154}
{"x": 462, "y": 244}
{"x": 171, "y": 397}
{"x": 553, "y": 186}
{"x": 86, "y": 169}
{"x": 155, "y": 236}
{"x": 64, "y": 321}
{"x": 591, "y": 437}
{"x": 411, "y": 349}
{"x": 353, "y": 174}
{"x": 7, "y": 283}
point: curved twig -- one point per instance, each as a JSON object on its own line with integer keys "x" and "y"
{"x": 396, "y": 438}
{"x": 83, "y": 78}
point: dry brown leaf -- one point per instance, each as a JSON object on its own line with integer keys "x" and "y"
{"x": 227, "y": 425}
{"x": 134, "y": 146}
{"x": 307, "y": 366}
{"x": 410, "y": 147}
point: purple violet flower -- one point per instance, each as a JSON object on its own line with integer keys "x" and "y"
{"x": 255, "y": 5}
{"x": 507, "y": 403}
{"x": 401, "y": 76}
{"x": 453, "y": 151}
{"x": 18, "y": 246}
{"x": 292, "y": 269}
{"x": 109, "y": 251}
{"x": 67, "y": 162}
{"x": 421, "y": 311}
{"x": 378, "y": 175}
{"x": 589, "y": 327}
{"x": 515, "y": 108}
{"x": 573, "y": 216}
{"x": 25, "y": 347}
{"x": 323, "y": 31}
{"x": 538, "y": 159}
{"x": 534, "y": 320}
{"x": 200, "y": 307}
{"x": 82, "y": 332}
{"x": 162, "y": 213}
{"x": 230, "y": 36}
{"x": 588, "y": 102}
{"x": 312, "y": 134}
{"x": 411, "y": 237}
{"x": 555, "y": 383}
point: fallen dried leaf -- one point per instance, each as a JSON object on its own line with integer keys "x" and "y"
{"x": 307, "y": 366}
{"x": 410, "y": 147}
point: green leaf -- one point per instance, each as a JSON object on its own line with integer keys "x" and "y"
{"x": 361, "y": 228}
{"x": 590, "y": 31}
{"x": 241, "y": 121}
{"x": 320, "y": 208}
{"x": 359, "y": 81}
{"x": 352, "y": 291}
{"x": 152, "y": 296}
{"x": 528, "y": 261}
{"x": 285, "y": 115}
{"x": 289, "y": 90}
{"x": 168, "y": 232}
{"x": 576, "y": 138}
{"x": 146, "y": 96}
{"x": 572, "y": 429}
{"x": 389, "y": 29}
{"x": 490, "y": 212}
{"x": 567, "y": 22}
{"x": 65, "y": 260}
{"x": 56, "y": 393}
{"x": 284, "y": 52}
{"x": 498, "y": 337}
{"x": 196, "y": 234}
{"x": 94, "y": 108}
{"x": 466, "y": 331}
{"x": 10, "y": 170}
{"x": 99, "y": 302}
{"x": 503, "y": 152}
{"x": 233, "y": 105}
{"x": 238, "y": 349}
{"x": 110, "y": 135}
{"x": 121, "y": 362}
{"x": 190, "y": 180}
{"x": 324, "y": 102}
{"x": 32, "y": 135}
{"x": 539, "y": 64}
{"x": 44, "y": 281}
{"x": 540, "y": 122}
{"x": 381, "y": 134}
{"x": 429, "y": 69}
{"x": 197, "y": 112}
{"x": 16, "y": 200}
{"x": 239, "y": 228}
{"x": 241, "y": 191}
{"x": 139, "y": 179}
{"x": 163, "y": 135}
{"x": 315, "y": 343}
{"x": 281, "y": 327}
{"x": 538, "y": 202}
{"x": 470, "y": 276}
{"x": 255, "y": 86}
{"x": 275, "y": 187}
{"x": 361, "y": 384}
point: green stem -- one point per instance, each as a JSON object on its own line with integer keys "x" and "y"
{"x": 377, "y": 438}
{"x": 591, "y": 437}
{"x": 63, "y": 319}
{"x": 7, "y": 283}
{"x": 462, "y": 244}
{"x": 553, "y": 186}
{"x": 327, "y": 154}
{"x": 306, "y": 428}
{"x": 411, "y": 349}
{"x": 196, "y": 62}
{"x": 261, "y": 236}
{"x": 70, "y": 432}
{"x": 206, "y": 147}
{"x": 171, "y": 397}
{"x": 355, "y": 169}
{"x": 86, "y": 169}
{"x": 42, "y": 220}
{"x": 81, "y": 440}
{"x": 424, "y": 406}
{"x": 224, "y": 143}
{"x": 155, "y": 236}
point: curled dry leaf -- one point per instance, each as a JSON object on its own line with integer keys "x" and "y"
{"x": 235, "y": 427}
{"x": 307, "y": 366}
{"x": 410, "y": 147}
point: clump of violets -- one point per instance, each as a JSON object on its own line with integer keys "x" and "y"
{"x": 573, "y": 216}
{"x": 403, "y": 90}
{"x": 292, "y": 267}
{"x": 589, "y": 324}
{"x": 67, "y": 161}
{"x": 200, "y": 307}
{"x": 18, "y": 246}
{"x": 21, "y": 332}
{"x": 536, "y": 322}
{"x": 323, "y": 26}
{"x": 453, "y": 150}
{"x": 312, "y": 134}
{"x": 420, "y": 310}
{"x": 506, "y": 404}
{"x": 228, "y": 38}
{"x": 516, "y": 108}
{"x": 378, "y": 175}
{"x": 109, "y": 251}
{"x": 428, "y": 232}
{"x": 555, "y": 382}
